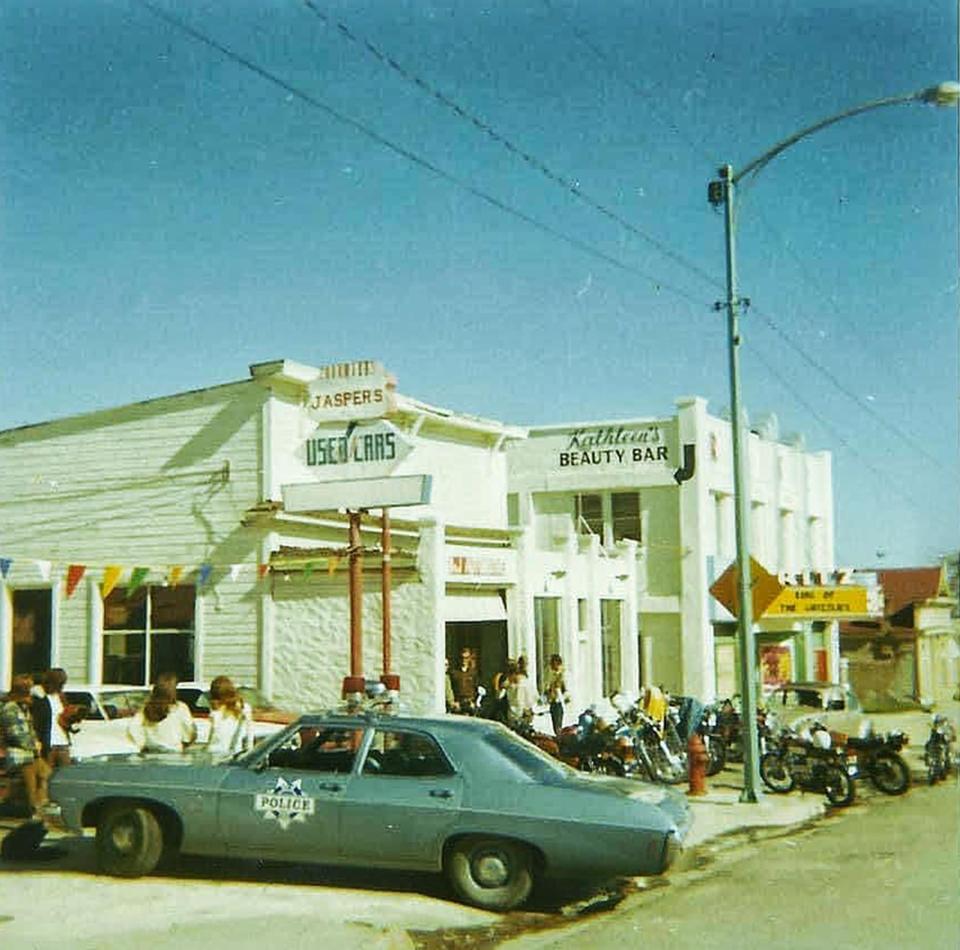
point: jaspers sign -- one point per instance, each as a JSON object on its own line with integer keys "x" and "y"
{"x": 361, "y": 389}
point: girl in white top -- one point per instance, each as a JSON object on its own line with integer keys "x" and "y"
{"x": 163, "y": 725}
{"x": 231, "y": 719}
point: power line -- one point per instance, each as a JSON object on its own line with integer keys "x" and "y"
{"x": 625, "y": 78}
{"x": 777, "y": 375}
{"x": 813, "y": 363}
{"x": 484, "y": 127}
{"x": 409, "y": 155}
{"x": 849, "y": 393}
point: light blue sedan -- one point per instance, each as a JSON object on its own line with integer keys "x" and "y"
{"x": 454, "y": 794}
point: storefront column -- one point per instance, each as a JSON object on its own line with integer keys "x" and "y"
{"x": 94, "y": 632}
{"x": 629, "y": 644}
{"x": 431, "y": 563}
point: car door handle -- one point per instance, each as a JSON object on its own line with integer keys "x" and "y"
{"x": 441, "y": 793}
{"x": 330, "y": 787}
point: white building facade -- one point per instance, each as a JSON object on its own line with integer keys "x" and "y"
{"x": 626, "y": 525}
{"x": 153, "y": 537}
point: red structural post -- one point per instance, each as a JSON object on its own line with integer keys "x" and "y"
{"x": 389, "y": 679}
{"x": 355, "y": 683}
{"x": 697, "y": 764}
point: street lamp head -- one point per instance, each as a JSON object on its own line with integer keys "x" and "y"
{"x": 946, "y": 94}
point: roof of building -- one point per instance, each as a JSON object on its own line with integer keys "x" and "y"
{"x": 906, "y": 586}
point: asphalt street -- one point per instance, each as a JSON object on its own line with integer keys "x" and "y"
{"x": 881, "y": 874}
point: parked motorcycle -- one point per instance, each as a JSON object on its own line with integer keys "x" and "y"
{"x": 938, "y": 750}
{"x": 590, "y": 745}
{"x": 878, "y": 758}
{"x": 713, "y": 740}
{"x": 648, "y": 748}
{"x": 727, "y": 729}
{"x": 811, "y": 763}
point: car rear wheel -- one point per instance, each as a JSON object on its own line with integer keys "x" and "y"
{"x": 492, "y": 873}
{"x": 129, "y": 841}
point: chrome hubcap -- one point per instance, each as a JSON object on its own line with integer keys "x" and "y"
{"x": 491, "y": 870}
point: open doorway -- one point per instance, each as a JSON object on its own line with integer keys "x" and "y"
{"x": 488, "y": 641}
{"x": 32, "y": 631}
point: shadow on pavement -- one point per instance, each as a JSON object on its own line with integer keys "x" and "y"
{"x": 75, "y": 854}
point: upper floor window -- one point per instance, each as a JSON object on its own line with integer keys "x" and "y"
{"x": 589, "y": 514}
{"x": 612, "y": 516}
{"x": 625, "y": 515}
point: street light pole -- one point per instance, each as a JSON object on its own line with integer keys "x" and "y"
{"x": 722, "y": 191}
{"x": 748, "y": 685}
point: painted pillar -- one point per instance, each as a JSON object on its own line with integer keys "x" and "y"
{"x": 697, "y": 527}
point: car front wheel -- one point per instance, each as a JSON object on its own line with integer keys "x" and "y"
{"x": 129, "y": 841}
{"x": 491, "y": 873}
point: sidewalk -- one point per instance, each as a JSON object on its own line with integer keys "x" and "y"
{"x": 720, "y": 812}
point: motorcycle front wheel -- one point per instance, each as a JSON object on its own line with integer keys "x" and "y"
{"x": 717, "y": 752}
{"x": 936, "y": 768}
{"x": 665, "y": 770}
{"x": 775, "y": 774}
{"x": 890, "y": 773}
{"x": 838, "y": 786}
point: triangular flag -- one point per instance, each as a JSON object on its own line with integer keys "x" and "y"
{"x": 74, "y": 573}
{"x": 174, "y": 575}
{"x": 262, "y": 570}
{"x": 137, "y": 576}
{"x": 5, "y": 563}
{"x": 332, "y": 563}
{"x": 44, "y": 568}
{"x": 235, "y": 571}
{"x": 111, "y": 574}
{"x": 203, "y": 574}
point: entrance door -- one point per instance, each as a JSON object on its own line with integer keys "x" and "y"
{"x": 32, "y": 625}
{"x": 488, "y": 641}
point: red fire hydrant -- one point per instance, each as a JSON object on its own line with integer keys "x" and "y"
{"x": 697, "y": 764}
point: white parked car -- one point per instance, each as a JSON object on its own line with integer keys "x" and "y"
{"x": 798, "y": 705}
{"x": 110, "y": 707}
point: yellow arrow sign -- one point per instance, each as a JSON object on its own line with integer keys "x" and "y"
{"x": 820, "y": 602}
{"x": 764, "y": 587}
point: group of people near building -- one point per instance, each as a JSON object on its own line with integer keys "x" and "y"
{"x": 36, "y": 725}
{"x": 512, "y": 698}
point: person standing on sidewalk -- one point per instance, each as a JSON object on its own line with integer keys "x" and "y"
{"x": 464, "y": 682}
{"x": 160, "y": 726}
{"x": 556, "y": 692}
{"x": 47, "y": 711}
{"x": 22, "y": 745}
{"x": 231, "y": 719}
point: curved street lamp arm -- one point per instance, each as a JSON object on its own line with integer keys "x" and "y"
{"x": 932, "y": 95}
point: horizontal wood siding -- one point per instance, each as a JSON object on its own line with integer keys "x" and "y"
{"x": 152, "y": 485}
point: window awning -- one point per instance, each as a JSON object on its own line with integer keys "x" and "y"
{"x": 467, "y": 606}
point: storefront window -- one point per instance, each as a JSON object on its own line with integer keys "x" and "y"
{"x": 148, "y": 633}
{"x": 546, "y": 615}
{"x": 610, "y": 643}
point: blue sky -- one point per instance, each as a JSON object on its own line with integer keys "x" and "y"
{"x": 170, "y": 217}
